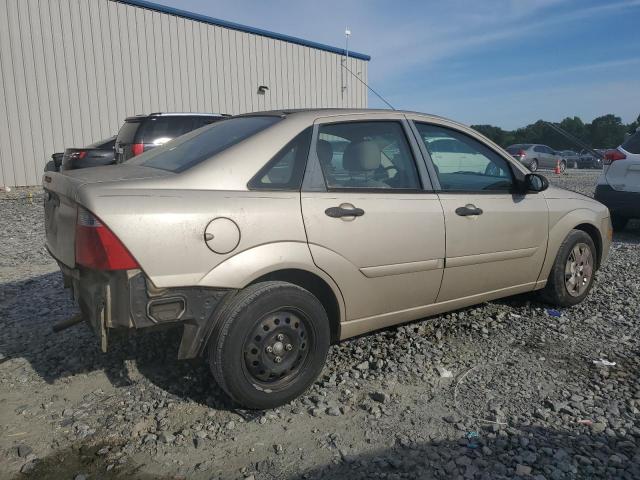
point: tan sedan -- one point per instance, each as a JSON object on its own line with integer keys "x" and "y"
{"x": 268, "y": 236}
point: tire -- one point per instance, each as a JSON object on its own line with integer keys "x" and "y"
{"x": 265, "y": 322}
{"x": 619, "y": 223}
{"x": 557, "y": 292}
{"x": 534, "y": 165}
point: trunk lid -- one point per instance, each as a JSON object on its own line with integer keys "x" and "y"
{"x": 61, "y": 204}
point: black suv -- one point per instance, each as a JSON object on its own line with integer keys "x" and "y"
{"x": 143, "y": 132}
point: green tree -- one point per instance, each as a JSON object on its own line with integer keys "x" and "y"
{"x": 607, "y": 131}
{"x": 633, "y": 126}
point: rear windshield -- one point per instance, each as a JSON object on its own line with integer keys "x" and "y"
{"x": 516, "y": 148}
{"x": 128, "y": 132}
{"x": 199, "y": 145}
{"x": 104, "y": 143}
{"x": 632, "y": 144}
{"x": 159, "y": 129}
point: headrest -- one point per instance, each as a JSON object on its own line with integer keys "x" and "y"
{"x": 362, "y": 156}
{"x": 324, "y": 151}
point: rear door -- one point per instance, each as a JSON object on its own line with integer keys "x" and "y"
{"x": 495, "y": 239}
{"x": 372, "y": 222}
{"x": 624, "y": 174}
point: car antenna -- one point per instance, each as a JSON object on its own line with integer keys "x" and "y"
{"x": 348, "y": 34}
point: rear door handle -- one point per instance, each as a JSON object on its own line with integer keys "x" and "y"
{"x": 468, "y": 210}
{"x": 338, "y": 212}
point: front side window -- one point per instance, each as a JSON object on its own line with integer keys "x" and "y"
{"x": 463, "y": 163}
{"x": 199, "y": 145}
{"x": 366, "y": 155}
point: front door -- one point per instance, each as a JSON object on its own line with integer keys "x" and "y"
{"x": 370, "y": 223}
{"x": 496, "y": 239}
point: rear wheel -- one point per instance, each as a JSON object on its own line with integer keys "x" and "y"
{"x": 572, "y": 274}
{"x": 618, "y": 222}
{"x": 270, "y": 344}
{"x": 534, "y": 165}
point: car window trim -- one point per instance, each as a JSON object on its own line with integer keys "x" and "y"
{"x": 430, "y": 165}
{"x": 314, "y": 179}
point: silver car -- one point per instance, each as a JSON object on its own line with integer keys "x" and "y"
{"x": 535, "y": 156}
{"x": 265, "y": 237}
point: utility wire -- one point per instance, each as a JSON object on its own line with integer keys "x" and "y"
{"x": 574, "y": 139}
{"x": 365, "y": 84}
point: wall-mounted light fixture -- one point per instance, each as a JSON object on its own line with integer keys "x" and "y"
{"x": 262, "y": 89}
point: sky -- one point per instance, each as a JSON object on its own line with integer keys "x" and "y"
{"x": 502, "y": 62}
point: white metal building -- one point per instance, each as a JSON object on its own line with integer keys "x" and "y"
{"x": 72, "y": 70}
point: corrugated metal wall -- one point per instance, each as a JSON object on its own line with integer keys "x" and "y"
{"x": 72, "y": 70}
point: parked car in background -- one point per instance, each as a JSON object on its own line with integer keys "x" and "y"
{"x": 141, "y": 133}
{"x": 266, "y": 237}
{"x": 535, "y": 156}
{"x": 618, "y": 186}
{"x": 97, "y": 154}
{"x": 588, "y": 160}
{"x": 570, "y": 157}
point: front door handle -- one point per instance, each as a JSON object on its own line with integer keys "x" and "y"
{"x": 338, "y": 212}
{"x": 468, "y": 210}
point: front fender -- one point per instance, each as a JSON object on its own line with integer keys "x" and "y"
{"x": 560, "y": 227}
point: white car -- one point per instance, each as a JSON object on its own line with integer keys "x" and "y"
{"x": 618, "y": 186}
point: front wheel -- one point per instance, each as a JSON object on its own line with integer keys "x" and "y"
{"x": 534, "y": 165}
{"x": 573, "y": 270}
{"x": 269, "y": 345}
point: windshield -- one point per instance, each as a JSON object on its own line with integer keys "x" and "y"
{"x": 195, "y": 147}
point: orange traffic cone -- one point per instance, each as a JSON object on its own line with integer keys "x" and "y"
{"x": 557, "y": 169}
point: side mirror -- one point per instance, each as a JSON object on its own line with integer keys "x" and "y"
{"x": 534, "y": 182}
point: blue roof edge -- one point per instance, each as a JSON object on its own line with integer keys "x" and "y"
{"x": 242, "y": 28}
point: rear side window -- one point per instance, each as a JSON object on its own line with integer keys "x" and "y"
{"x": 632, "y": 144}
{"x": 195, "y": 147}
{"x": 128, "y": 131}
{"x": 366, "y": 155}
{"x": 286, "y": 169}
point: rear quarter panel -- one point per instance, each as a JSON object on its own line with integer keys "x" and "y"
{"x": 164, "y": 229}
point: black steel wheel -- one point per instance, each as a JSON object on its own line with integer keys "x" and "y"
{"x": 269, "y": 344}
{"x": 277, "y": 348}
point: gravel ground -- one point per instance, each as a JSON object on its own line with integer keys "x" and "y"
{"x": 525, "y": 399}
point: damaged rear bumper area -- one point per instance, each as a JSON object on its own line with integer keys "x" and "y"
{"x": 128, "y": 300}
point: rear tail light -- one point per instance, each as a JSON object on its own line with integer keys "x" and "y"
{"x": 97, "y": 247}
{"x": 78, "y": 155}
{"x": 137, "y": 148}
{"x": 613, "y": 155}
{"x": 521, "y": 154}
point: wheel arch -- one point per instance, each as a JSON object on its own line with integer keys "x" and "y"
{"x": 595, "y": 235}
{"x": 317, "y": 286}
{"x": 579, "y": 219}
